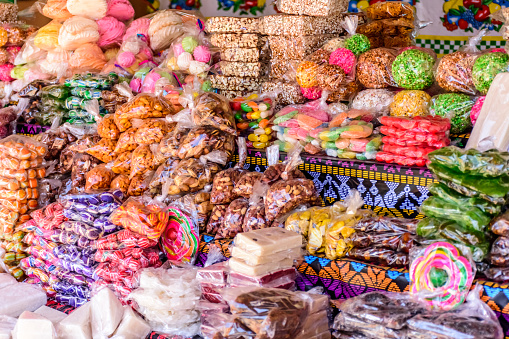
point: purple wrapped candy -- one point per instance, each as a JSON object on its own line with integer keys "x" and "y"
{"x": 77, "y": 268}
{"x": 110, "y": 227}
{"x": 70, "y": 300}
{"x": 64, "y": 287}
{"x": 87, "y": 231}
{"x": 85, "y": 243}
{"x": 107, "y": 197}
{"x": 118, "y": 194}
{"x": 68, "y": 252}
{"x": 79, "y": 206}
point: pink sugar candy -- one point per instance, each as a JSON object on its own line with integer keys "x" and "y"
{"x": 126, "y": 59}
{"x": 111, "y": 32}
{"x": 298, "y": 133}
{"x": 498, "y": 50}
{"x": 149, "y": 83}
{"x": 202, "y": 54}
{"x": 178, "y": 49}
{"x": 344, "y": 58}
{"x": 317, "y": 114}
{"x": 314, "y": 133}
{"x": 311, "y": 93}
{"x": 138, "y": 26}
{"x": 285, "y": 111}
{"x": 476, "y": 109}
{"x": 120, "y": 9}
{"x": 292, "y": 123}
{"x": 135, "y": 85}
{"x": 5, "y": 72}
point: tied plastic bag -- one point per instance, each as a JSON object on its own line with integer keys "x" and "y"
{"x": 216, "y": 219}
{"x": 441, "y": 275}
{"x": 122, "y": 164}
{"x": 374, "y": 68}
{"x": 104, "y": 150}
{"x": 150, "y": 131}
{"x": 143, "y": 216}
{"x": 286, "y": 194}
{"x": 225, "y": 181}
{"x": 126, "y": 142}
{"x": 140, "y": 183}
{"x": 106, "y": 127}
{"x": 214, "y": 110}
{"x": 120, "y": 182}
{"x": 162, "y": 175}
{"x": 274, "y": 171}
{"x": 99, "y": 178}
{"x": 454, "y": 106}
{"x": 141, "y": 161}
{"x": 203, "y": 140}
{"x": 255, "y": 215}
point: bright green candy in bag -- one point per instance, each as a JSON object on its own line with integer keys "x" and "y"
{"x": 494, "y": 189}
{"x": 56, "y": 91}
{"x": 445, "y": 230}
{"x": 442, "y": 191}
{"x": 472, "y": 162}
{"x": 470, "y": 217}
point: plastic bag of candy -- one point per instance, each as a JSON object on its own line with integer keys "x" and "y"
{"x": 214, "y": 110}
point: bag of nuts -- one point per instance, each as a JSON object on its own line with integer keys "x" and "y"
{"x": 214, "y": 110}
{"x": 202, "y": 140}
{"x": 255, "y": 215}
{"x": 142, "y": 161}
{"x": 170, "y": 144}
{"x": 122, "y": 164}
{"x": 150, "y": 131}
{"x": 162, "y": 175}
{"x": 106, "y": 127}
{"x": 99, "y": 178}
{"x": 192, "y": 175}
{"x": 120, "y": 182}
{"x": 216, "y": 219}
{"x": 233, "y": 219}
{"x": 82, "y": 164}
{"x": 103, "y": 150}
{"x": 225, "y": 181}
{"x": 143, "y": 106}
{"x": 275, "y": 170}
{"x": 139, "y": 184}
{"x": 126, "y": 142}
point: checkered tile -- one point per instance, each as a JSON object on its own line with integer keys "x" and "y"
{"x": 442, "y": 47}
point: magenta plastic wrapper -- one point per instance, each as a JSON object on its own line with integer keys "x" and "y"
{"x": 408, "y": 151}
{"x": 129, "y": 258}
{"x": 113, "y": 274}
{"x": 400, "y": 160}
{"x": 433, "y": 140}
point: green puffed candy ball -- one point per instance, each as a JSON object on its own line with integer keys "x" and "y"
{"x": 18, "y": 72}
{"x": 486, "y": 67}
{"x": 358, "y": 44}
{"x": 189, "y": 43}
{"x": 413, "y": 69}
{"x": 206, "y": 86}
{"x": 456, "y": 107}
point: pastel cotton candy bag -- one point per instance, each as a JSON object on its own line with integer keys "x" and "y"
{"x": 92, "y": 9}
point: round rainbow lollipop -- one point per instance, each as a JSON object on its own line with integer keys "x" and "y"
{"x": 180, "y": 240}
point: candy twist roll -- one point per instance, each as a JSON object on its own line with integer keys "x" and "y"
{"x": 442, "y": 257}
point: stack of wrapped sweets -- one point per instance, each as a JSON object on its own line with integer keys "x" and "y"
{"x": 12, "y": 252}
{"x": 52, "y": 104}
{"x": 12, "y": 37}
{"x": 265, "y": 258}
{"x": 32, "y": 91}
{"x": 253, "y": 116}
{"x": 175, "y": 310}
{"x": 81, "y": 90}
{"x": 269, "y": 313}
{"x": 244, "y": 55}
{"x": 20, "y": 168}
{"x": 391, "y": 24}
{"x": 471, "y": 191}
{"x": 402, "y": 315}
{"x": 408, "y": 141}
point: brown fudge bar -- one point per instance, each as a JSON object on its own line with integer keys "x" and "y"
{"x": 284, "y": 24}
{"x": 244, "y": 54}
{"x": 234, "y": 40}
{"x": 227, "y": 24}
{"x": 289, "y": 94}
{"x": 312, "y": 7}
{"x": 241, "y": 69}
{"x": 224, "y": 82}
{"x": 279, "y": 68}
{"x": 297, "y": 47}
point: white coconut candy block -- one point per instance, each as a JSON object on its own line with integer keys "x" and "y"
{"x": 32, "y": 325}
{"x": 107, "y": 312}
{"x": 132, "y": 326}
{"x": 7, "y": 324}
{"x": 267, "y": 241}
{"x": 6, "y": 279}
{"x": 53, "y": 315}
{"x": 76, "y": 325}
{"x": 19, "y": 297}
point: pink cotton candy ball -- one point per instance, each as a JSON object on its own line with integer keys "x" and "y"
{"x": 476, "y": 109}
{"x": 202, "y": 54}
{"x": 5, "y": 72}
{"x": 312, "y": 93}
{"x": 178, "y": 49}
{"x": 344, "y": 58}
{"x": 135, "y": 85}
{"x": 126, "y": 59}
